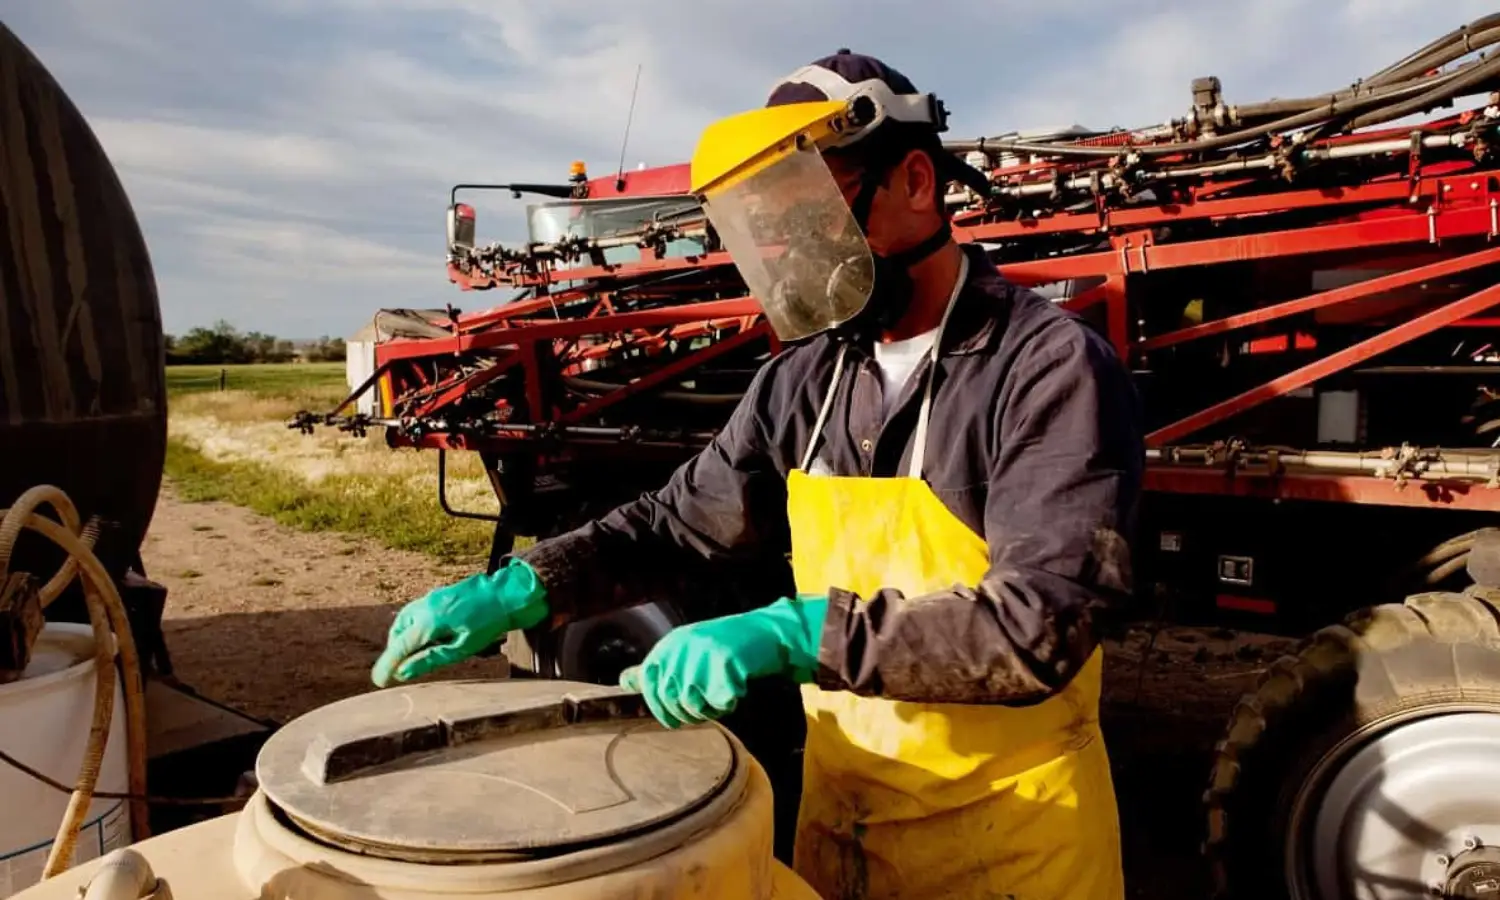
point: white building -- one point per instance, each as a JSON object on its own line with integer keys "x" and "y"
{"x": 387, "y": 324}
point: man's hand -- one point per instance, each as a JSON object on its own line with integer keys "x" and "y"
{"x": 699, "y": 672}
{"x": 454, "y": 622}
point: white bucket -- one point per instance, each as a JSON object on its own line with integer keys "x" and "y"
{"x": 44, "y": 723}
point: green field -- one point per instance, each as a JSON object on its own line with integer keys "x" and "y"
{"x": 269, "y": 380}
{"x": 232, "y": 445}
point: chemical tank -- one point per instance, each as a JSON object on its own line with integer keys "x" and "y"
{"x": 482, "y": 790}
{"x": 82, "y": 377}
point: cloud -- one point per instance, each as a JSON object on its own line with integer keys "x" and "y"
{"x": 290, "y": 159}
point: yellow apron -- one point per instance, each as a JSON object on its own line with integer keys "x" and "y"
{"x": 915, "y": 800}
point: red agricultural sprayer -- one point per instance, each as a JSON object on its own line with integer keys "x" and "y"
{"x": 1306, "y": 291}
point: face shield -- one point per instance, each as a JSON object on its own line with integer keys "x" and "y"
{"x": 796, "y": 243}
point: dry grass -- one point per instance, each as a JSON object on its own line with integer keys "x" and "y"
{"x": 234, "y": 446}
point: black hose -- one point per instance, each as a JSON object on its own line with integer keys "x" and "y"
{"x": 1329, "y": 110}
{"x": 590, "y": 386}
{"x": 1431, "y": 47}
{"x": 1337, "y": 106}
{"x": 1456, "y": 36}
{"x": 1471, "y": 80}
{"x": 1250, "y": 111}
{"x": 1457, "y": 50}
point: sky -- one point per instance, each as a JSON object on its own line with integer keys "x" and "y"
{"x": 290, "y": 160}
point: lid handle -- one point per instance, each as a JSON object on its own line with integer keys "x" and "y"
{"x": 332, "y": 758}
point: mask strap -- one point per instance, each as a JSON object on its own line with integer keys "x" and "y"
{"x": 929, "y": 245}
{"x": 919, "y": 452}
{"x": 865, "y": 199}
{"x": 817, "y": 431}
{"x": 868, "y": 185}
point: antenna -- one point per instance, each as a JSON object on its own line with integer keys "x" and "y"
{"x": 620, "y": 176}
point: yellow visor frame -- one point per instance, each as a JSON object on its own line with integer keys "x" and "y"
{"x": 736, "y": 147}
{"x": 782, "y": 216}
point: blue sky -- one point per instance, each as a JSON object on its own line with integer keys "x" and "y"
{"x": 290, "y": 160}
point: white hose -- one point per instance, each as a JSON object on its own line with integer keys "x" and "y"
{"x": 111, "y": 630}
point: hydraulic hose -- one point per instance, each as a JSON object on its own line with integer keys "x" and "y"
{"x": 1456, "y": 50}
{"x": 1460, "y": 35}
{"x": 599, "y": 388}
{"x": 1469, "y": 80}
{"x": 112, "y": 635}
{"x": 1447, "y": 89}
{"x": 1369, "y": 101}
{"x": 1394, "y": 91}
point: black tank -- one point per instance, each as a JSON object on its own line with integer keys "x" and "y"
{"x": 82, "y": 384}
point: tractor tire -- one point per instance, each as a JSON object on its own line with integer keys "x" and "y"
{"x": 593, "y": 650}
{"x": 1364, "y": 765}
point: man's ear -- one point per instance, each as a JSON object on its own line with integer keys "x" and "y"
{"x": 920, "y": 177}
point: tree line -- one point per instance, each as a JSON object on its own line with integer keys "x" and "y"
{"x": 223, "y": 344}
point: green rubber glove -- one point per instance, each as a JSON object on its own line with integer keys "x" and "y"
{"x": 699, "y": 672}
{"x": 456, "y": 621}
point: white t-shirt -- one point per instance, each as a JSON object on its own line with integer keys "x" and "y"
{"x": 897, "y": 361}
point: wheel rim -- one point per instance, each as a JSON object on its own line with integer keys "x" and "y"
{"x": 598, "y": 650}
{"x": 1388, "y": 812}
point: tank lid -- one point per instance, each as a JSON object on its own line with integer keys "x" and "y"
{"x": 485, "y": 771}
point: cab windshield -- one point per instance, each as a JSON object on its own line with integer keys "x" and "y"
{"x": 620, "y": 219}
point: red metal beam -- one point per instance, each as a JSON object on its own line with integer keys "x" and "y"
{"x": 479, "y": 379}
{"x": 1116, "y": 312}
{"x": 520, "y": 308}
{"x": 1180, "y": 212}
{"x": 535, "y": 401}
{"x": 1409, "y": 330}
{"x": 411, "y": 348}
{"x": 1396, "y": 229}
{"x": 1423, "y": 493}
{"x": 1326, "y": 298}
{"x": 663, "y": 374}
{"x": 1448, "y": 189}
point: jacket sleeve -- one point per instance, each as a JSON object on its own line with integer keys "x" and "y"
{"x": 704, "y": 535}
{"x": 1061, "y": 494}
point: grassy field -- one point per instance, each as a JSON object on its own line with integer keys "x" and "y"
{"x": 318, "y": 380}
{"x": 233, "y": 445}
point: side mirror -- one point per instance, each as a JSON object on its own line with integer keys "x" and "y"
{"x": 460, "y": 227}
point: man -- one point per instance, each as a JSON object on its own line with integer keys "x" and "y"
{"x": 953, "y": 465}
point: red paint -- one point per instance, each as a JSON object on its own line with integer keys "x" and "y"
{"x": 652, "y": 182}
{"x": 1324, "y": 488}
{"x": 1255, "y": 605}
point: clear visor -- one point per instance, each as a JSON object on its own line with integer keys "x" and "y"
{"x": 796, "y": 244}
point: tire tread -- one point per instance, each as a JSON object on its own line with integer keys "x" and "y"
{"x": 1381, "y": 656}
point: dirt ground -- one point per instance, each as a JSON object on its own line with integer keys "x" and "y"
{"x": 275, "y": 622}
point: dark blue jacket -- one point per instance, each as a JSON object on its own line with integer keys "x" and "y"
{"x": 1035, "y": 441}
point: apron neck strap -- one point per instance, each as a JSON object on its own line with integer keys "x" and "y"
{"x": 919, "y": 448}
{"x": 919, "y": 452}
{"x": 817, "y": 430}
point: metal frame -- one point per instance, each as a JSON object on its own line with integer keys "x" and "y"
{"x": 1431, "y": 215}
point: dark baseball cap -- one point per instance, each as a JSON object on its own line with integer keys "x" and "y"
{"x": 891, "y": 135}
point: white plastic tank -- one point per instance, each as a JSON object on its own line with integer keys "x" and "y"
{"x": 542, "y": 790}
{"x": 44, "y": 723}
